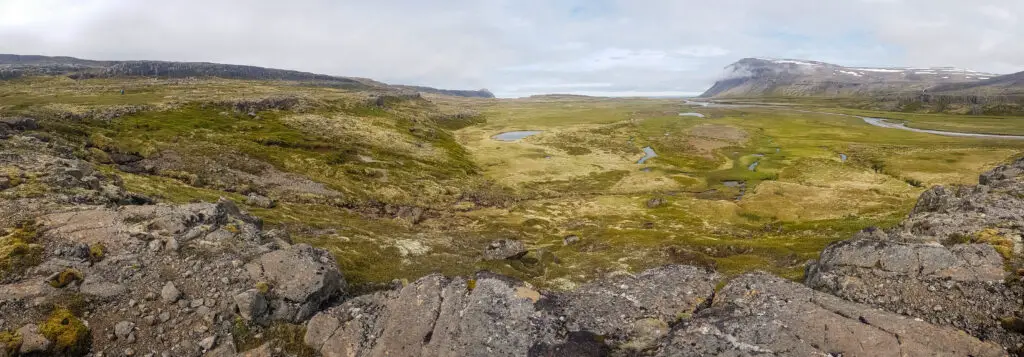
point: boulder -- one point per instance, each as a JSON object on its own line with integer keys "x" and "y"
{"x": 505, "y": 249}
{"x": 961, "y": 286}
{"x": 20, "y": 123}
{"x": 301, "y": 278}
{"x": 259, "y": 201}
{"x": 436, "y": 316}
{"x": 251, "y": 305}
{"x": 615, "y": 307}
{"x": 32, "y": 341}
{"x": 760, "y": 314}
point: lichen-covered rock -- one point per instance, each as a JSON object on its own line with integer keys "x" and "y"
{"x": 505, "y": 249}
{"x": 20, "y": 123}
{"x": 259, "y": 201}
{"x": 759, "y": 314}
{"x": 943, "y": 213}
{"x": 251, "y": 305}
{"x": 615, "y": 307}
{"x": 301, "y": 279}
{"x": 32, "y": 341}
{"x": 945, "y": 264}
{"x": 436, "y": 316}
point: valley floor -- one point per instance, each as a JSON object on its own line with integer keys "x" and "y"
{"x": 397, "y": 186}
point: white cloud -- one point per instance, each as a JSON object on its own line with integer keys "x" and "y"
{"x": 506, "y": 45}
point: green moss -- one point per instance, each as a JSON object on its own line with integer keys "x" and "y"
{"x": 287, "y": 337}
{"x": 18, "y": 250}
{"x": 11, "y": 341}
{"x": 97, "y": 252}
{"x": 70, "y": 336}
{"x": 263, "y": 287}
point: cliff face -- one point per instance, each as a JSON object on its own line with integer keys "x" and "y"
{"x": 96, "y": 269}
{"x": 757, "y": 77}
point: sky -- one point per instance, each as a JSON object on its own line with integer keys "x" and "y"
{"x": 524, "y": 47}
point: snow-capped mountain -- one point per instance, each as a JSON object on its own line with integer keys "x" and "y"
{"x": 753, "y": 77}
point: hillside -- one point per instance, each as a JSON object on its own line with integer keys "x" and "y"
{"x": 14, "y": 66}
{"x": 268, "y": 217}
{"x": 757, "y": 77}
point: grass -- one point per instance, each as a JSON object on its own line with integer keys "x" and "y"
{"x": 364, "y": 180}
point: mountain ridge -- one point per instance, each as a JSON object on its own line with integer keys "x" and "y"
{"x": 752, "y": 77}
{"x": 14, "y": 66}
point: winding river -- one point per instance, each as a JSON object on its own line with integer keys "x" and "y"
{"x": 879, "y": 122}
{"x": 883, "y": 123}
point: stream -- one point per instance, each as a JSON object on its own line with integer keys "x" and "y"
{"x": 883, "y": 123}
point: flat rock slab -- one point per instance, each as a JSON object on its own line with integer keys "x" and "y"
{"x": 759, "y": 314}
{"x": 436, "y": 316}
{"x": 610, "y": 307}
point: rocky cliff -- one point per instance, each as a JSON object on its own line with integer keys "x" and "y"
{"x": 90, "y": 269}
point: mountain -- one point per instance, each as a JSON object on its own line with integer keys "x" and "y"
{"x": 1010, "y": 84}
{"x": 14, "y": 66}
{"x": 480, "y": 93}
{"x": 755, "y": 77}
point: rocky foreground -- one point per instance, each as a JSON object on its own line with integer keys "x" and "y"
{"x": 93, "y": 270}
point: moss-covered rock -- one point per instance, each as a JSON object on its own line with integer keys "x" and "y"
{"x": 97, "y": 252}
{"x": 69, "y": 334}
{"x": 66, "y": 277}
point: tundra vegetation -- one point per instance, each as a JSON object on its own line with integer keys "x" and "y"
{"x": 398, "y": 185}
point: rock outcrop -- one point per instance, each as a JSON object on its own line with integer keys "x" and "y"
{"x": 945, "y": 264}
{"x": 762, "y": 315}
{"x": 168, "y": 277}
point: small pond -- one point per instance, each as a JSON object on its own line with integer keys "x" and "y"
{"x": 842, "y": 157}
{"x": 691, "y": 114}
{"x": 753, "y": 167}
{"x": 515, "y": 135}
{"x": 648, "y": 154}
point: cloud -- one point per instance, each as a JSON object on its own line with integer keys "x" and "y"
{"x": 518, "y": 46}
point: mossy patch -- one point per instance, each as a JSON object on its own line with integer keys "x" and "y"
{"x": 990, "y": 236}
{"x": 70, "y": 336}
{"x": 18, "y": 250}
{"x": 263, "y": 287}
{"x": 11, "y": 341}
{"x": 287, "y": 337}
{"x": 97, "y": 251}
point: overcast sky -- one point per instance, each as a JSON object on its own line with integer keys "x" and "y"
{"x": 523, "y": 47}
